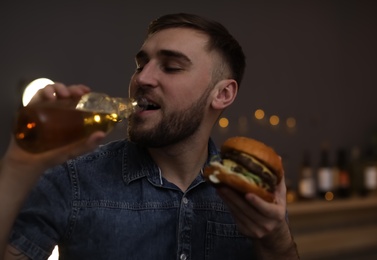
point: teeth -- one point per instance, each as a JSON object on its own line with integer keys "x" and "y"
{"x": 143, "y": 103}
{"x": 152, "y": 106}
{"x": 146, "y": 105}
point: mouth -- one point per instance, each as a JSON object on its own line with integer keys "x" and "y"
{"x": 146, "y": 104}
{"x": 152, "y": 106}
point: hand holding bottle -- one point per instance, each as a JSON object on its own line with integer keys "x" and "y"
{"x": 20, "y": 169}
{"x": 54, "y": 94}
{"x": 59, "y": 115}
{"x": 58, "y": 91}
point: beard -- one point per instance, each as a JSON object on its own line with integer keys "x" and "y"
{"x": 173, "y": 128}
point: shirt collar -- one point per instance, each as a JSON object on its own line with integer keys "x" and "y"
{"x": 137, "y": 162}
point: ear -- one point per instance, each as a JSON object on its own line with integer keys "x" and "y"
{"x": 225, "y": 91}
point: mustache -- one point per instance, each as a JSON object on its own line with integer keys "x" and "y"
{"x": 145, "y": 93}
{"x": 141, "y": 92}
{"x": 147, "y": 99}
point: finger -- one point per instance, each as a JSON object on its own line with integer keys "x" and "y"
{"x": 266, "y": 209}
{"x": 83, "y": 146}
{"x": 70, "y": 151}
{"x": 238, "y": 204}
{"x": 247, "y": 225}
{"x": 79, "y": 90}
{"x": 50, "y": 92}
{"x": 46, "y": 93}
{"x": 266, "y": 216}
{"x": 34, "y": 164}
{"x": 92, "y": 142}
{"x": 281, "y": 191}
{"x": 76, "y": 90}
{"x": 252, "y": 208}
{"x": 249, "y": 203}
{"x": 59, "y": 90}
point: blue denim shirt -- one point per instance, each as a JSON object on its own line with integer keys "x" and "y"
{"x": 114, "y": 204}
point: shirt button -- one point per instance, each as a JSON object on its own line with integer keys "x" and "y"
{"x": 185, "y": 201}
{"x": 183, "y": 257}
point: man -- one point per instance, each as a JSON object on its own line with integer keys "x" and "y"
{"x": 146, "y": 198}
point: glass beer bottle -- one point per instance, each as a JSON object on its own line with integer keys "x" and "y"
{"x": 51, "y": 124}
{"x": 325, "y": 176}
{"x": 306, "y": 182}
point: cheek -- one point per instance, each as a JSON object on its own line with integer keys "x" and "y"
{"x": 186, "y": 96}
{"x": 184, "y": 100}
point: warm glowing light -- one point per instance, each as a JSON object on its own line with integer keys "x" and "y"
{"x": 114, "y": 117}
{"x": 30, "y": 125}
{"x": 291, "y": 197}
{"x": 291, "y": 122}
{"x": 32, "y": 88}
{"x": 223, "y": 122}
{"x": 329, "y": 196}
{"x": 97, "y": 118}
{"x": 274, "y": 120}
{"x": 259, "y": 114}
{"x": 21, "y": 136}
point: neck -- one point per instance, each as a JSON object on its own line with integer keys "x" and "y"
{"x": 181, "y": 163}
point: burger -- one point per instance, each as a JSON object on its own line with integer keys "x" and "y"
{"x": 247, "y": 166}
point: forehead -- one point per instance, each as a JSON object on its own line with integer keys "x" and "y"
{"x": 188, "y": 41}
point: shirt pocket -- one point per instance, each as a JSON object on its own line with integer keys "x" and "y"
{"x": 223, "y": 241}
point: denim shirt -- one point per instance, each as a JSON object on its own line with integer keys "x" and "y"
{"x": 114, "y": 204}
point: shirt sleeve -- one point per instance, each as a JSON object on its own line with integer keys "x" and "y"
{"x": 44, "y": 219}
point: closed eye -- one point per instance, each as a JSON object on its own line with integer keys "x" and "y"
{"x": 171, "y": 69}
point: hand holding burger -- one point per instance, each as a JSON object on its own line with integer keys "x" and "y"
{"x": 248, "y": 166}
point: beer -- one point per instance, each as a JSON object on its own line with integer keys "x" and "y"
{"x": 52, "y": 124}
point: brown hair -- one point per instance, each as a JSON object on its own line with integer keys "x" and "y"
{"x": 220, "y": 38}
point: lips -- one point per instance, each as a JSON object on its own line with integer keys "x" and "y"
{"x": 147, "y": 104}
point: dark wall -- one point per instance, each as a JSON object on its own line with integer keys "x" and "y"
{"x": 313, "y": 60}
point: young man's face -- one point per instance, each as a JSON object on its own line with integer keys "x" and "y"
{"x": 174, "y": 73}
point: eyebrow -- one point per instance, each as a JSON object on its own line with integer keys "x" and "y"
{"x": 142, "y": 55}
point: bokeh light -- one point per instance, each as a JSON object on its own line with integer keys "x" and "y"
{"x": 223, "y": 122}
{"x": 274, "y": 120}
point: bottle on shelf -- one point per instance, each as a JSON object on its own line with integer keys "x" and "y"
{"x": 343, "y": 174}
{"x": 325, "y": 176}
{"x": 356, "y": 171}
{"x": 306, "y": 180}
{"x": 369, "y": 173}
{"x": 47, "y": 125}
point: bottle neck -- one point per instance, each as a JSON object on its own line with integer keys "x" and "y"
{"x": 125, "y": 107}
{"x": 102, "y": 103}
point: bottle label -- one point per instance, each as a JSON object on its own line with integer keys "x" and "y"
{"x": 307, "y": 188}
{"x": 370, "y": 177}
{"x": 325, "y": 179}
{"x": 344, "y": 179}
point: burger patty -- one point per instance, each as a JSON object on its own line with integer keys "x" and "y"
{"x": 245, "y": 161}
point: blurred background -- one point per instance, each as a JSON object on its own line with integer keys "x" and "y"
{"x": 309, "y": 88}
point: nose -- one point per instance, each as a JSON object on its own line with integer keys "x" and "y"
{"x": 147, "y": 76}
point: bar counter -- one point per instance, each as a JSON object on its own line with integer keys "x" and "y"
{"x": 343, "y": 229}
